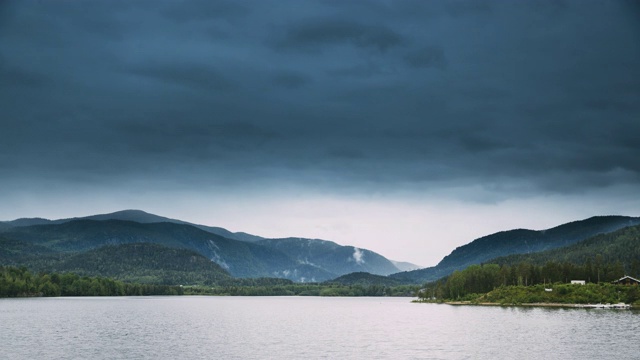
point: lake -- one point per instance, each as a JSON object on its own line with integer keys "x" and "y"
{"x": 191, "y": 327}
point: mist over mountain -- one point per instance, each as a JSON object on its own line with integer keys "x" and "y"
{"x": 329, "y": 255}
{"x": 241, "y": 255}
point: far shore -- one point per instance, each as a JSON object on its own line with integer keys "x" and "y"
{"x": 554, "y": 305}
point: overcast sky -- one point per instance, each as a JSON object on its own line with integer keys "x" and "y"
{"x": 406, "y": 127}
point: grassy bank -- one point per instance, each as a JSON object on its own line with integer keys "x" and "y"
{"x": 558, "y": 294}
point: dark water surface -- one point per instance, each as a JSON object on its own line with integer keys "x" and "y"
{"x": 306, "y": 328}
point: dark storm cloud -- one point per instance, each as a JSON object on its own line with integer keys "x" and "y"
{"x": 203, "y": 10}
{"x": 427, "y": 57}
{"x": 371, "y": 95}
{"x": 312, "y": 34}
{"x": 290, "y": 80}
{"x": 14, "y": 76}
{"x": 190, "y": 75}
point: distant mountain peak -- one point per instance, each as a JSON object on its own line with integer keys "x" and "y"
{"x": 132, "y": 215}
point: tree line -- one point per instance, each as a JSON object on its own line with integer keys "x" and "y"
{"x": 298, "y": 289}
{"x": 479, "y": 279}
{"x": 20, "y": 282}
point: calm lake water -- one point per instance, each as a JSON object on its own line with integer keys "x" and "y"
{"x": 306, "y": 328}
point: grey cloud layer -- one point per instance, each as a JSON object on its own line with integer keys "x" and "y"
{"x": 389, "y": 93}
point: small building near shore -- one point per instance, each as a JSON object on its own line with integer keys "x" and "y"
{"x": 578, "y": 282}
{"x": 627, "y": 280}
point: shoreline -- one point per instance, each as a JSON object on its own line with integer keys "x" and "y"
{"x": 554, "y": 305}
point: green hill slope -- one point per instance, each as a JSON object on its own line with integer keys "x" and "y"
{"x": 146, "y": 264}
{"x": 599, "y": 259}
{"x": 241, "y": 259}
{"x": 243, "y": 255}
{"x": 518, "y": 241}
{"x": 621, "y": 246}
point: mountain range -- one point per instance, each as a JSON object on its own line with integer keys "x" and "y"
{"x": 48, "y": 244}
{"x": 136, "y": 246}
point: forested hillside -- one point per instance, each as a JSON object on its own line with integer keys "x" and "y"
{"x": 75, "y": 245}
{"x": 518, "y": 241}
{"x": 602, "y": 258}
{"x": 145, "y": 263}
{"x": 621, "y": 246}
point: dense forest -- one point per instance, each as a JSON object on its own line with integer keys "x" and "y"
{"x": 310, "y": 289}
{"x": 19, "y": 282}
{"x": 144, "y": 263}
{"x": 603, "y": 250}
{"x": 480, "y": 279}
{"x": 597, "y": 260}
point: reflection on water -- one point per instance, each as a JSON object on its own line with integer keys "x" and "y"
{"x": 306, "y": 327}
